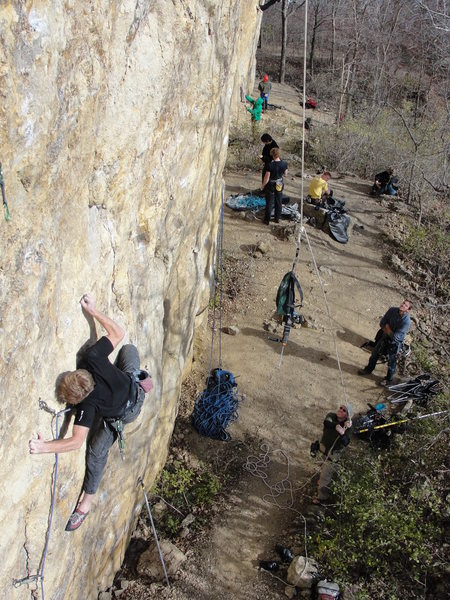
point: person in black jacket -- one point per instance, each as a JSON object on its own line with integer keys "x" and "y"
{"x": 269, "y": 143}
{"x": 335, "y": 437}
{"x": 273, "y": 185}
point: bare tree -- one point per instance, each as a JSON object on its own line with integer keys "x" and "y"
{"x": 288, "y": 8}
{"x": 320, "y": 16}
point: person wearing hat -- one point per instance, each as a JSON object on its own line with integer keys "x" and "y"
{"x": 264, "y": 88}
{"x": 336, "y": 433}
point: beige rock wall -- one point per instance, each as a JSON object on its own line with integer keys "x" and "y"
{"x": 113, "y": 135}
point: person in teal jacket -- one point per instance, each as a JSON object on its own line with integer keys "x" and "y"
{"x": 255, "y": 112}
{"x": 257, "y": 107}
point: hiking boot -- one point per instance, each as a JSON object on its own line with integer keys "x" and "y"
{"x": 76, "y": 520}
{"x": 364, "y": 372}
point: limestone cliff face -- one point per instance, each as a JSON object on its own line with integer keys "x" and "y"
{"x": 113, "y": 134}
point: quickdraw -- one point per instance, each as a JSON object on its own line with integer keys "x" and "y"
{"x": 5, "y": 204}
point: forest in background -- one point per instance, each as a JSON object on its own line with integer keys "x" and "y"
{"x": 382, "y": 67}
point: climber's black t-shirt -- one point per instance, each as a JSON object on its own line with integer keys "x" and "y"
{"x": 112, "y": 386}
{"x": 277, "y": 169}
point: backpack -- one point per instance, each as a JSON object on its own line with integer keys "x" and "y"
{"x": 286, "y": 295}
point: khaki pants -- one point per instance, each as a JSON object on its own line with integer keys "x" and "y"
{"x": 327, "y": 473}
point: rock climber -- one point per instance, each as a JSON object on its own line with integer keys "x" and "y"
{"x": 273, "y": 185}
{"x": 318, "y": 188}
{"x": 255, "y": 112}
{"x": 105, "y": 396}
{"x": 336, "y": 434}
{"x": 269, "y": 143}
{"x": 395, "y": 325}
{"x": 264, "y": 88}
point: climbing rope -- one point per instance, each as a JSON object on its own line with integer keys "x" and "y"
{"x": 5, "y": 204}
{"x": 258, "y": 467}
{"x": 40, "y": 575}
{"x": 154, "y": 531}
{"x": 333, "y": 335}
{"x": 216, "y": 407}
{"x": 218, "y": 285}
{"x": 304, "y": 112}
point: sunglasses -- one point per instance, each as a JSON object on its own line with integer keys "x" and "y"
{"x": 343, "y": 408}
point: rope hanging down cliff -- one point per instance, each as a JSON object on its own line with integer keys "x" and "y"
{"x": 216, "y": 407}
{"x": 40, "y": 574}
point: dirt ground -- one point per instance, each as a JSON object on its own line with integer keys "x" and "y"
{"x": 285, "y": 400}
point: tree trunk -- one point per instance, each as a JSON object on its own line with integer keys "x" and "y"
{"x": 333, "y": 37}
{"x": 313, "y": 40}
{"x": 284, "y": 17}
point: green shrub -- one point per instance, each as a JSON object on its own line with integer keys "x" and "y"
{"x": 389, "y": 523}
{"x": 184, "y": 488}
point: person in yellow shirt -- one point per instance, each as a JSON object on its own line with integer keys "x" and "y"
{"x": 318, "y": 188}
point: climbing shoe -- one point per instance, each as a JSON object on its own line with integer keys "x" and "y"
{"x": 76, "y": 519}
{"x": 363, "y": 372}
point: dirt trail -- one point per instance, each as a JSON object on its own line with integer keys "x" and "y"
{"x": 285, "y": 406}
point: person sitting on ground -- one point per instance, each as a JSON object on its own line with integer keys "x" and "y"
{"x": 105, "y": 396}
{"x": 385, "y": 183}
{"x": 273, "y": 185}
{"x": 269, "y": 143}
{"x": 264, "y": 88}
{"x": 336, "y": 434}
{"x": 395, "y": 325}
{"x": 318, "y": 188}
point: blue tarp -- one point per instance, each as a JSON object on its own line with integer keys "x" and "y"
{"x": 246, "y": 202}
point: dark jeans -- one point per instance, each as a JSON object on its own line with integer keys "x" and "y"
{"x": 265, "y": 99}
{"x": 272, "y": 195}
{"x": 103, "y": 435}
{"x": 384, "y": 346}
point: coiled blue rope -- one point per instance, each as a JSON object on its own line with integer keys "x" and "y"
{"x": 217, "y": 406}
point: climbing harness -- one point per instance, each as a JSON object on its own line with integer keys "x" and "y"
{"x": 5, "y": 204}
{"x": 154, "y": 530}
{"x": 216, "y": 407}
{"x": 40, "y": 575}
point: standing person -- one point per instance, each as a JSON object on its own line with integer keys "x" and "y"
{"x": 337, "y": 429}
{"x": 264, "y": 88}
{"x": 273, "y": 185}
{"x": 318, "y": 188}
{"x": 106, "y": 397}
{"x": 269, "y": 143}
{"x": 395, "y": 325}
{"x": 255, "y": 111}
